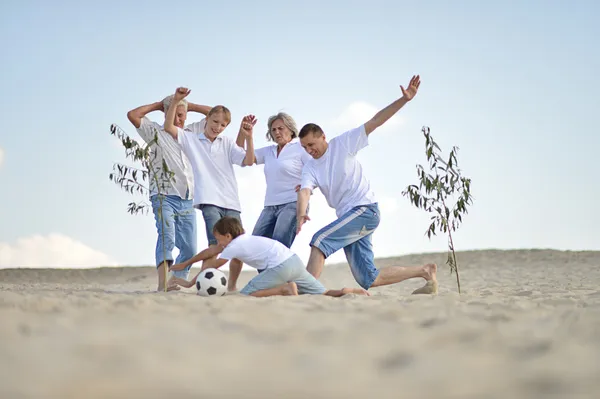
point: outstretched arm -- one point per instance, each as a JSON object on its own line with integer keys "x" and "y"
{"x": 382, "y": 116}
{"x": 202, "y": 109}
{"x": 135, "y": 115}
{"x": 301, "y": 207}
{"x": 170, "y": 127}
{"x": 205, "y": 254}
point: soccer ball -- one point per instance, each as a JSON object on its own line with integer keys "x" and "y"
{"x": 211, "y": 282}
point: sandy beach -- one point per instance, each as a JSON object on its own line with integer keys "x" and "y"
{"x": 527, "y": 325}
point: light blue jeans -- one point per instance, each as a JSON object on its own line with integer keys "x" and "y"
{"x": 353, "y": 231}
{"x": 277, "y": 222}
{"x": 289, "y": 270}
{"x": 178, "y": 225}
{"x": 212, "y": 214}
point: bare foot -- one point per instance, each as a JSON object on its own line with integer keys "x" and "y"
{"x": 430, "y": 275}
{"x": 357, "y": 291}
{"x": 290, "y": 289}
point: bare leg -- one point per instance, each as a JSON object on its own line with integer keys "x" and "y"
{"x": 395, "y": 274}
{"x": 161, "y": 276}
{"x": 235, "y": 268}
{"x": 285, "y": 289}
{"x": 315, "y": 262}
{"x": 345, "y": 291}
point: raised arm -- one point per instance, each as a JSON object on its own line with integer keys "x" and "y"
{"x": 201, "y": 109}
{"x": 382, "y": 116}
{"x": 205, "y": 254}
{"x": 241, "y": 137}
{"x": 135, "y": 115}
{"x": 179, "y": 95}
{"x": 301, "y": 207}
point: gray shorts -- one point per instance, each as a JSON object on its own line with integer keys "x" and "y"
{"x": 291, "y": 270}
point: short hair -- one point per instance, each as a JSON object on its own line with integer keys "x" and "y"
{"x": 167, "y": 103}
{"x": 311, "y": 128}
{"x": 220, "y": 108}
{"x": 287, "y": 120}
{"x": 228, "y": 225}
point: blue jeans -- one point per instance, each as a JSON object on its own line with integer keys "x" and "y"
{"x": 277, "y": 222}
{"x": 289, "y": 270}
{"x": 353, "y": 231}
{"x": 211, "y": 214}
{"x": 178, "y": 225}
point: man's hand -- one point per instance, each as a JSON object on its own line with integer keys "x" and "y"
{"x": 247, "y": 125}
{"x": 180, "y": 94}
{"x": 300, "y": 220}
{"x": 413, "y": 86}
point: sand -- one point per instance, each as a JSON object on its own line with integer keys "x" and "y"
{"x": 527, "y": 325}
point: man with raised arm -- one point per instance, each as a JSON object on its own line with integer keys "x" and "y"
{"x": 335, "y": 170}
{"x": 178, "y": 222}
{"x": 212, "y": 156}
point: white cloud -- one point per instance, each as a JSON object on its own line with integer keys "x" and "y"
{"x": 360, "y": 112}
{"x": 53, "y": 250}
{"x": 1, "y": 156}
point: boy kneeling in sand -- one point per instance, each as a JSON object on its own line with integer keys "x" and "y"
{"x": 281, "y": 270}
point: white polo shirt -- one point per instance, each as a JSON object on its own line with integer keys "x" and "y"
{"x": 212, "y": 164}
{"x": 339, "y": 175}
{"x": 282, "y": 173}
{"x": 167, "y": 148}
{"x": 256, "y": 251}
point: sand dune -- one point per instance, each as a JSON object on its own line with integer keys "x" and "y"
{"x": 527, "y": 325}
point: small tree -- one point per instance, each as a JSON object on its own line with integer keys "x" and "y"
{"x": 133, "y": 179}
{"x": 442, "y": 191}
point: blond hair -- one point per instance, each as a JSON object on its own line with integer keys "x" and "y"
{"x": 220, "y": 108}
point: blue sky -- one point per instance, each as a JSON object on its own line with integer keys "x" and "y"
{"x": 512, "y": 84}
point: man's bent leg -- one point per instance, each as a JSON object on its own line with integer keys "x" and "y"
{"x": 316, "y": 261}
{"x": 352, "y": 226}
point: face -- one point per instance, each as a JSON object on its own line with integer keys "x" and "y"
{"x": 223, "y": 241}
{"x": 314, "y": 145}
{"x": 280, "y": 133}
{"x": 180, "y": 116}
{"x": 215, "y": 124}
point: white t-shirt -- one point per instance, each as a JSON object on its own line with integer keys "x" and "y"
{"x": 256, "y": 251}
{"x": 212, "y": 163}
{"x": 166, "y": 148}
{"x": 282, "y": 173}
{"x": 339, "y": 175}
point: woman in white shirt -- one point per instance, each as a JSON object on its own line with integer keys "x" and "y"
{"x": 283, "y": 172}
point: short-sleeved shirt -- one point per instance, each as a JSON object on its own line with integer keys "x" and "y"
{"x": 256, "y": 251}
{"x": 282, "y": 173}
{"x": 212, "y": 164}
{"x": 168, "y": 149}
{"x": 339, "y": 175}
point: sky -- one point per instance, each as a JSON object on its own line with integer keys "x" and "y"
{"x": 513, "y": 84}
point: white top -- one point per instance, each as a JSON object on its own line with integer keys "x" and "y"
{"x": 168, "y": 149}
{"x": 256, "y": 251}
{"x": 212, "y": 163}
{"x": 339, "y": 175}
{"x": 282, "y": 173}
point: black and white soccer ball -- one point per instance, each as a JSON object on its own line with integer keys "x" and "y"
{"x": 211, "y": 282}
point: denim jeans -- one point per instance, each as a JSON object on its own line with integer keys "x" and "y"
{"x": 211, "y": 214}
{"x": 353, "y": 231}
{"x": 278, "y": 222}
{"x": 292, "y": 269}
{"x": 178, "y": 225}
